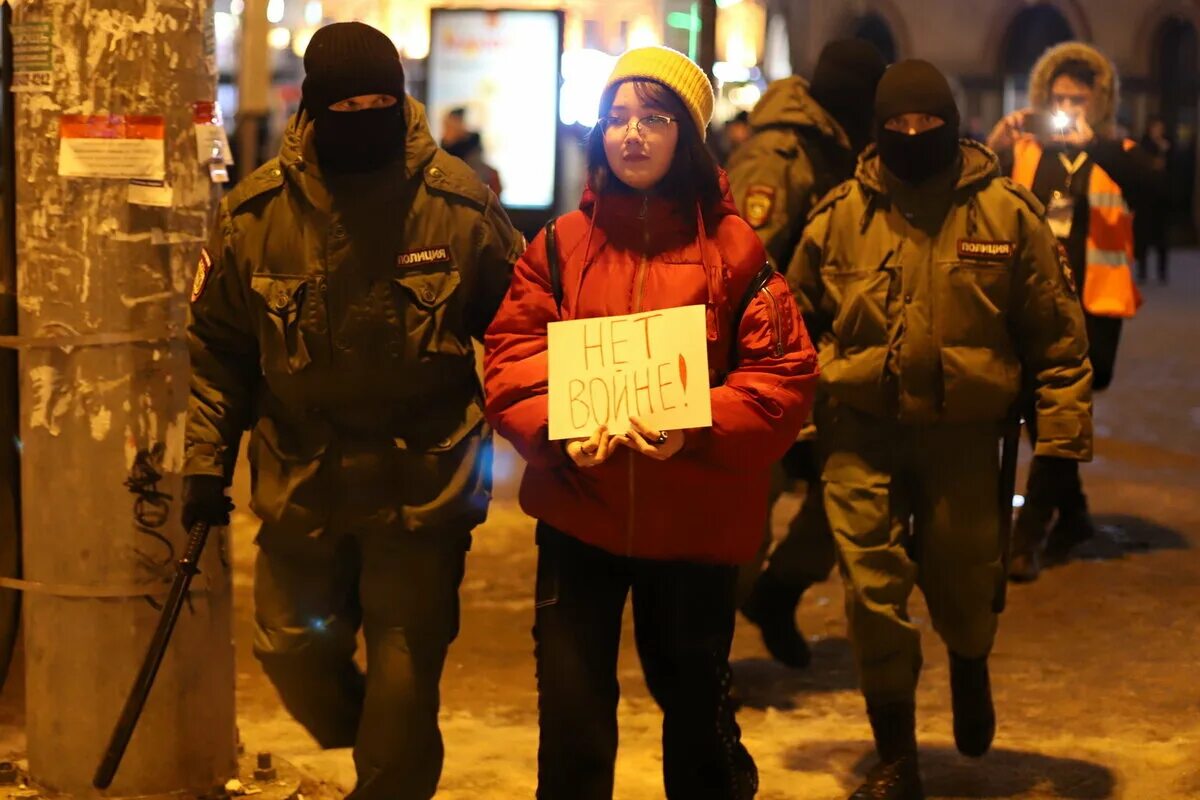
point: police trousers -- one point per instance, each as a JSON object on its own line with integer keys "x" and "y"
{"x": 912, "y": 505}
{"x": 312, "y": 595}
{"x": 683, "y": 615}
{"x": 806, "y": 554}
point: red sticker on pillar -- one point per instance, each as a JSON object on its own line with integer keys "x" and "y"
{"x": 111, "y": 146}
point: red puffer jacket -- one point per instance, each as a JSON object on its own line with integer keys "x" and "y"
{"x": 622, "y": 254}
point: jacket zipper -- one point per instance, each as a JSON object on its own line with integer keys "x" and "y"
{"x": 639, "y": 278}
{"x": 776, "y": 324}
{"x": 639, "y": 292}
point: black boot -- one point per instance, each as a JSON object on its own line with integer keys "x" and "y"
{"x": 897, "y": 776}
{"x": 1073, "y": 526}
{"x": 1029, "y": 531}
{"x": 772, "y": 607}
{"x": 974, "y": 714}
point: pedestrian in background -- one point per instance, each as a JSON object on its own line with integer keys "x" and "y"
{"x": 461, "y": 142}
{"x": 1152, "y": 223}
{"x": 666, "y": 515}
{"x": 933, "y": 285}
{"x": 1063, "y": 149}
{"x": 733, "y": 135}
{"x": 806, "y": 138}
{"x": 333, "y": 314}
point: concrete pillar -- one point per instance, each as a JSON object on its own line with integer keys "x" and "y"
{"x": 707, "y": 50}
{"x": 10, "y": 487}
{"x": 103, "y": 286}
{"x": 254, "y": 84}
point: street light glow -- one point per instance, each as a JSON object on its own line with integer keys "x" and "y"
{"x": 314, "y": 12}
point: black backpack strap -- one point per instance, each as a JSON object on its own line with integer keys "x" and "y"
{"x": 556, "y": 287}
{"x": 757, "y": 284}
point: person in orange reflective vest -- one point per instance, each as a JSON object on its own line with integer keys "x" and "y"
{"x": 1063, "y": 149}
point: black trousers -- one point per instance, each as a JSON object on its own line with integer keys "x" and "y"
{"x": 1151, "y": 232}
{"x": 312, "y": 596}
{"x": 683, "y": 620}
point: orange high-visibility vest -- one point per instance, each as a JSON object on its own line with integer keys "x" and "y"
{"x": 1108, "y": 287}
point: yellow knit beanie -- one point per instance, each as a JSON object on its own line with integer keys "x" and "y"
{"x": 675, "y": 71}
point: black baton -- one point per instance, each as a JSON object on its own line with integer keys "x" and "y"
{"x": 1009, "y": 444}
{"x": 186, "y": 569}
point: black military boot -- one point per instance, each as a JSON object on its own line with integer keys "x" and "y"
{"x": 897, "y": 775}
{"x": 1073, "y": 526}
{"x": 974, "y": 714}
{"x": 772, "y": 607}
{"x": 1029, "y": 531}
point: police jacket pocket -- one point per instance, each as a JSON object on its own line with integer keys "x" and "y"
{"x": 288, "y": 476}
{"x": 861, "y": 315}
{"x": 973, "y": 306}
{"x": 445, "y": 479}
{"x": 426, "y": 302}
{"x": 282, "y": 337}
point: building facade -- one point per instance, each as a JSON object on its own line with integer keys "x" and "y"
{"x": 988, "y": 47}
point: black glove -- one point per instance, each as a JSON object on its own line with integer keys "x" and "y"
{"x": 801, "y": 462}
{"x": 204, "y": 500}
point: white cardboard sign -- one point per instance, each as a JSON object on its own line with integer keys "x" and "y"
{"x": 653, "y": 365}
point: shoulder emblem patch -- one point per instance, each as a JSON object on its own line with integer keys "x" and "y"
{"x": 984, "y": 250}
{"x": 759, "y": 200}
{"x": 203, "y": 273}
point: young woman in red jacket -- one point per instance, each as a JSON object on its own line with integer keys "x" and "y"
{"x": 665, "y": 514}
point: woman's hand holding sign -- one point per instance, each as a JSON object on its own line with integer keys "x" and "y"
{"x": 594, "y": 450}
{"x": 657, "y": 444}
{"x": 597, "y": 448}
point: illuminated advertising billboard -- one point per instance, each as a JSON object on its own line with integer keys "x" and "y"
{"x": 502, "y": 68}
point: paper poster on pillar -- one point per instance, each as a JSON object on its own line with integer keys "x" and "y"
{"x": 212, "y": 142}
{"x": 32, "y": 57}
{"x": 652, "y": 365}
{"x": 111, "y": 146}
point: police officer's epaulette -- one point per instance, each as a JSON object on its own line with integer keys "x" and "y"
{"x": 445, "y": 173}
{"x": 1026, "y": 196}
{"x": 831, "y": 198}
{"x": 268, "y": 177}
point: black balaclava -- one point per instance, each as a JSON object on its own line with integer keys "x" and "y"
{"x": 844, "y": 85}
{"x": 916, "y": 87}
{"x": 350, "y": 59}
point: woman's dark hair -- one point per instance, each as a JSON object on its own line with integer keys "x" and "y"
{"x": 693, "y": 176}
{"x": 1077, "y": 70}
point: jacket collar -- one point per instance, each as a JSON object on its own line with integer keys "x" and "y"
{"x": 788, "y": 102}
{"x": 979, "y": 165}
{"x": 298, "y": 154}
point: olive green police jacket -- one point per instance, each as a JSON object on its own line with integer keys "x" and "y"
{"x": 333, "y": 317}
{"x": 943, "y": 323}
{"x": 795, "y": 155}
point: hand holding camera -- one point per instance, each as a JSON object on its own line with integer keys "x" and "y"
{"x": 1047, "y": 126}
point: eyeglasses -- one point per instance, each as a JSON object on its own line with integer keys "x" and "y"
{"x": 647, "y": 125}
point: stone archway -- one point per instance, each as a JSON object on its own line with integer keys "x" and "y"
{"x": 1021, "y": 37}
{"x": 1174, "y": 87}
{"x": 1065, "y": 16}
{"x": 874, "y": 29}
{"x": 880, "y": 22}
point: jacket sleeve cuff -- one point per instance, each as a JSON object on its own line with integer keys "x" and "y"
{"x": 202, "y": 458}
{"x": 1064, "y": 436}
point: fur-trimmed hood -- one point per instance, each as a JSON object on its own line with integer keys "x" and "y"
{"x": 1102, "y": 114}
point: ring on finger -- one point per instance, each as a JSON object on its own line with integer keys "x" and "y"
{"x": 662, "y": 438}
